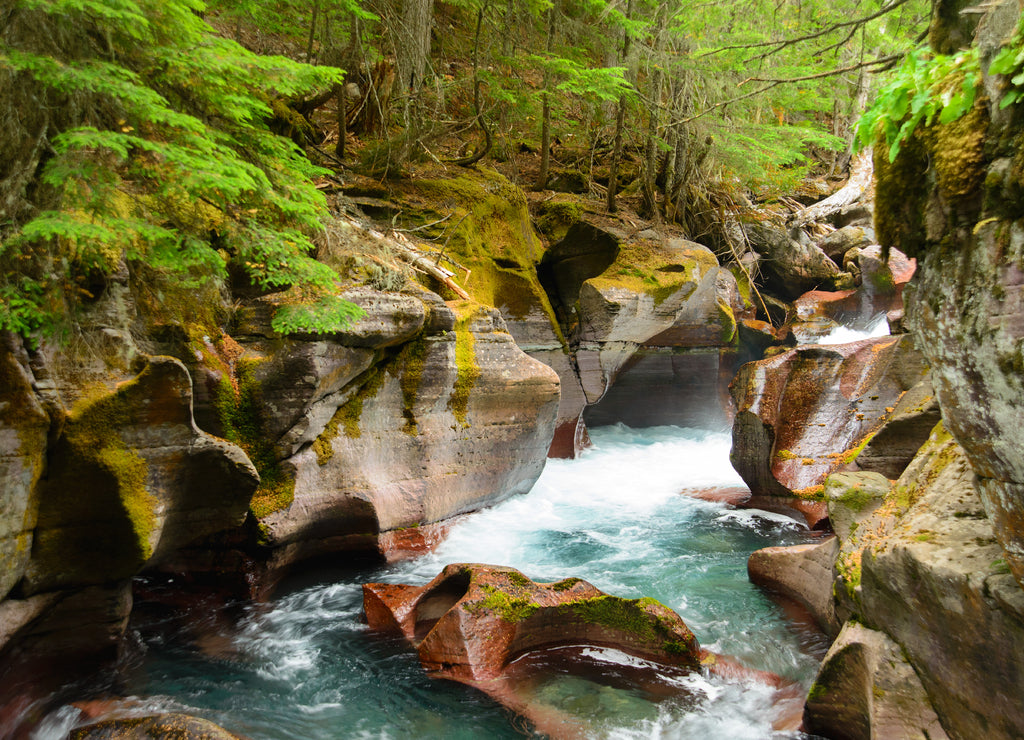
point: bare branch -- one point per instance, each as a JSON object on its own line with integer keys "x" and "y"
{"x": 829, "y": 73}
{"x": 783, "y": 43}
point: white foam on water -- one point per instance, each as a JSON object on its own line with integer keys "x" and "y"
{"x": 879, "y": 327}
{"x": 614, "y": 517}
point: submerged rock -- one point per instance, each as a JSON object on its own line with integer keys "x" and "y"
{"x": 472, "y": 620}
{"x": 158, "y": 726}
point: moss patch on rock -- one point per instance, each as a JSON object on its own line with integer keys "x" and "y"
{"x": 348, "y": 415}
{"x": 240, "y": 409}
{"x": 485, "y": 227}
{"x": 653, "y": 268}
{"x": 468, "y": 370}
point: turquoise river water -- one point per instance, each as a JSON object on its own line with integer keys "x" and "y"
{"x": 305, "y": 666}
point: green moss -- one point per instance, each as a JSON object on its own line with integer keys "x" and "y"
{"x": 924, "y": 536}
{"x": 848, "y": 566}
{"x": 565, "y": 584}
{"x": 96, "y": 515}
{"x": 519, "y": 580}
{"x": 631, "y": 617}
{"x": 1000, "y": 567}
{"x": 856, "y": 498}
{"x": 650, "y": 267}
{"x": 348, "y": 415}
{"x": 512, "y": 609}
{"x": 275, "y": 493}
{"x": 958, "y": 154}
{"x": 555, "y": 217}
{"x": 468, "y": 370}
{"x": 485, "y": 227}
{"x": 786, "y": 455}
{"x": 130, "y": 471}
{"x": 817, "y": 693}
{"x": 727, "y": 322}
{"x": 901, "y": 191}
{"x": 409, "y": 365}
{"x": 92, "y": 434}
{"x": 853, "y": 453}
{"x": 241, "y": 413}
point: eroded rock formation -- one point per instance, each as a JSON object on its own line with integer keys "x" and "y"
{"x": 804, "y": 413}
{"x": 472, "y": 620}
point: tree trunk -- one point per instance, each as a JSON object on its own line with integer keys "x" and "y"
{"x": 650, "y": 199}
{"x": 620, "y": 119}
{"x": 312, "y": 31}
{"x": 412, "y": 52}
{"x": 545, "y": 126}
{"x": 861, "y": 171}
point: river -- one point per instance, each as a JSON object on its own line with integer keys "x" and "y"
{"x": 305, "y": 666}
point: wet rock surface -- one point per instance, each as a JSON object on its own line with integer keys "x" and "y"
{"x": 472, "y": 620}
{"x": 802, "y": 414}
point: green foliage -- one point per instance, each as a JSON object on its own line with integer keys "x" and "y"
{"x": 1009, "y": 62}
{"x": 171, "y": 161}
{"x": 927, "y": 86}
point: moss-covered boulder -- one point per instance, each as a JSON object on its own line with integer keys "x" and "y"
{"x": 472, "y": 620}
{"x": 132, "y": 479}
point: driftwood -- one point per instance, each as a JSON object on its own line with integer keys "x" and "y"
{"x": 861, "y": 170}
{"x": 404, "y": 249}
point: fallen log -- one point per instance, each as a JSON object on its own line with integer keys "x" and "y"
{"x": 861, "y": 171}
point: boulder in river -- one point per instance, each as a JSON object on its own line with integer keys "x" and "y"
{"x": 472, "y": 620}
{"x": 805, "y": 413}
{"x": 172, "y": 725}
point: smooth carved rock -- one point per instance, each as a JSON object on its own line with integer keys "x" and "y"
{"x": 24, "y": 424}
{"x": 890, "y": 451}
{"x": 174, "y": 725}
{"x": 643, "y": 347}
{"x": 803, "y": 573}
{"x": 66, "y": 625}
{"x": 802, "y": 414}
{"x": 925, "y": 568}
{"x": 452, "y": 423}
{"x": 131, "y": 480}
{"x": 472, "y": 620}
{"x": 866, "y": 689}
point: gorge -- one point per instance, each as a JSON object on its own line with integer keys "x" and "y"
{"x": 614, "y": 476}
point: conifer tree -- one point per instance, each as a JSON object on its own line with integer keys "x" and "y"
{"x": 151, "y": 136}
